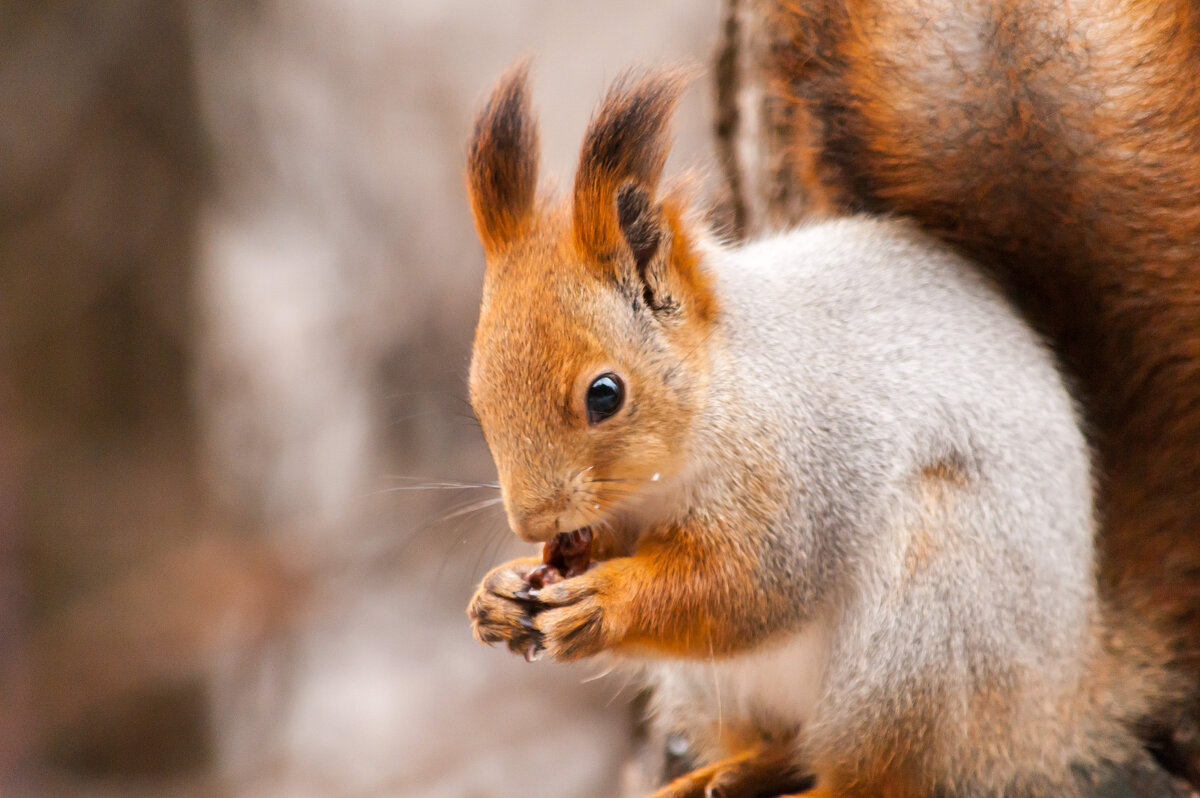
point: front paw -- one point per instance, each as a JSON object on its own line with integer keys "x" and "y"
{"x": 576, "y": 617}
{"x": 501, "y": 611}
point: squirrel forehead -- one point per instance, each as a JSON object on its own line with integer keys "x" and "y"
{"x": 549, "y": 246}
{"x": 539, "y": 328}
{"x": 546, "y": 282}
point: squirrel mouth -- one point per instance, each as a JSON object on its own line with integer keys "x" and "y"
{"x": 565, "y": 555}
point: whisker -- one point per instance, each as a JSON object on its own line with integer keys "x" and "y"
{"x": 445, "y": 484}
{"x": 712, "y": 663}
{"x": 701, "y": 342}
{"x": 489, "y": 532}
{"x": 621, "y": 689}
{"x": 473, "y": 507}
{"x": 406, "y": 488}
{"x": 500, "y": 538}
{"x": 487, "y": 552}
{"x": 593, "y": 515}
{"x": 436, "y": 480}
{"x": 398, "y": 420}
{"x": 600, "y": 523}
{"x": 461, "y": 511}
{"x": 620, "y": 484}
{"x": 393, "y": 396}
{"x": 446, "y": 557}
{"x": 454, "y": 511}
{"x": 600, "y": 675}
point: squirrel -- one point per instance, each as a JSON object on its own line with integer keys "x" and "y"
{"x": 840, "y": 500}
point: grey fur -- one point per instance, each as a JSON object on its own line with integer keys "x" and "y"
{"x": 937, "y": 538}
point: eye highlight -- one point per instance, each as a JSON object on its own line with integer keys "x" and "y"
{"x": 605, "y": 395}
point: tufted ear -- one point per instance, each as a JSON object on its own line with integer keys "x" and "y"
{"x": 624, "y": 151}
{"x": 503, "y": 163}
{"x": 620, "y": 221}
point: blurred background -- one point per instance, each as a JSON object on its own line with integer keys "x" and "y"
{"x": 238, "y": 281}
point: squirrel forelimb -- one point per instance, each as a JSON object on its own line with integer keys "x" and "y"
{"x": 680, "y": 597}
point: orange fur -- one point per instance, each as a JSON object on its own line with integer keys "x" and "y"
{"x": 673, "y": 595}
{"x": 546, "y": 263}
{"x": 753, "y": 770}
{"x": 572, "y": 270}
{"x": 687, "y": 264}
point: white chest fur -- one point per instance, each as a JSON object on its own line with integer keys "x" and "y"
{"x": 780, "y": 683}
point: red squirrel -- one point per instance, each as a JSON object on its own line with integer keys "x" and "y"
{"x": 836, "y": 498}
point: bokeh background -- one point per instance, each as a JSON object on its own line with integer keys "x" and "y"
{"x": 238, "y": 281}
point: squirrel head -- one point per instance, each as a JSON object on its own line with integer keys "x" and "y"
{"x": 588, "y": 367}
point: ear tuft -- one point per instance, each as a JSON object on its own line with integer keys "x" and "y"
{"x": 503, "y": 162}
{"x": 626, "y": 142}
{"x": 640, "y": 223}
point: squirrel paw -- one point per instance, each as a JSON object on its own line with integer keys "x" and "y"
{"x": 566, "y": 620}
{"x": 571, "y": 618}
{"x": 501, "y": 611}
{"x": 761, "y": 770}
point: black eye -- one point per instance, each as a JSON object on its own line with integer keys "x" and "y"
{"x": 604, "y": 397}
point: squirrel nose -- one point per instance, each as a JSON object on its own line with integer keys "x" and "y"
{"x": 533, "y": 527}
{"x": 533, "y": 509}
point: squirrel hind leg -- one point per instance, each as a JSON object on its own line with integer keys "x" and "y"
{"x": 763, "y": 769}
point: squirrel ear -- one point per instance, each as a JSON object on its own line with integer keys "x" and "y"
{"x": 503, "y": 163}
{"x": 641, "y": 225}
{"x": 626, "y": 143}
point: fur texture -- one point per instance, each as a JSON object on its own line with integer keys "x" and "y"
{"x": 502, "y": 166}
{"x": 929, "y": 532}
{"x": 1056, "y": 144}
{"x": 843, "y": 516}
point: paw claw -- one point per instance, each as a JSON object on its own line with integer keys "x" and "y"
{"x": 497, "y": 616}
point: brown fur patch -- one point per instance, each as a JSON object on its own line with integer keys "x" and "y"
{"x": 935, "y": 486}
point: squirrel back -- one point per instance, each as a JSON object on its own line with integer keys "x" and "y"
{"x": 1057, "y": 145}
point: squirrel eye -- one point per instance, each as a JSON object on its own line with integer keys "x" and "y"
{"x": 604, "y": 397}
